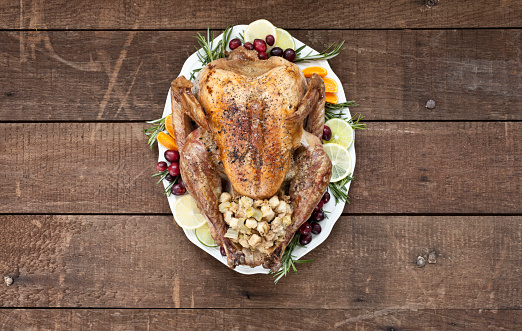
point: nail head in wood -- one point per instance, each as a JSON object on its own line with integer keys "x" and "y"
{"x": 8, "y": 280}
{"x": 430, "y": 104}
{"x": 421, "y": 261}
{"x": 432, "y": 257}
{"x": 431, "y": 3}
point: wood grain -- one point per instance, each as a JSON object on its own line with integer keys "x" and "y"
{"x": 256, "y": 319}
{"x": 358, "y": 14}
{"x": 401, "y": 168}
{"x": 147, "y": 262}
{"x": 125, "y": 75}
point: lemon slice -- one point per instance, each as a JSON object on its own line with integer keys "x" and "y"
{"x": 341, "y": 161}
{"x": 284, "y": 39}
{"x": 259, "y": 30}
{"x": 342, "y": 132}
{"x": 204, "y": 237}
{"x": 187, "y": 214}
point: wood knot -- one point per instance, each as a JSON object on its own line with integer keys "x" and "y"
{"x": 431, "y": 3}
{"x": 9, "y": 93}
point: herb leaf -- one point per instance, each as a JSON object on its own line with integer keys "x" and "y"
{"x": 332, "y": 51}
{"x": 153, "y": 132}
{"x": 287, "y": 260}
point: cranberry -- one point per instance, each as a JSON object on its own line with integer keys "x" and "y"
{"x": 161, "y": 166}
{"x": 319, "y": 205}
{"x": 276, "y": 51}
{"x": 316, "y": 228}
{"x": 326, "y": 197}
{"x": 181, "y": 182}
{"x": 234, "y": 43}
{"x": 259, "y": 45}
{"x": 222, "y": 251}
{"x": 289, "y": 54}
{"x": 305, "y": 240}
{"x": 270, "y": 40}
{"x": 305, "y": 229}
{"x": 327, "y": 133}
{"x": 169, "y": 178}
{"x": 262, "y": 56}
{"x": 174, "y": 169}
{"x": 172, "y": 155}
{"x": 178, "y": 189}
{"x": 248, "y": 46}
{"x": 318, "y": 216}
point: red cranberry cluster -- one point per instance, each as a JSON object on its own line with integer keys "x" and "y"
{"x": 312, "y": 225}
{"x": 260, "y": 46}
{"x": 171, "y": 172}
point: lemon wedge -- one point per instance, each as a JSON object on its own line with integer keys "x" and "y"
{"x": 342, "y": 132}
{"x": 187, "y": 214}
{"x": 259, "y": 30}
{"x": 284, "y": 39}
{"x": 341, "y": 161}
{"x": 204, "y": 237}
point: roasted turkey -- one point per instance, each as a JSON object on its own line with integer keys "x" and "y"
{"x": 259, "y": 124}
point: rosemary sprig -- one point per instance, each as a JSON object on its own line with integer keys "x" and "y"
{"x": 339, "y": 190}
{"x": 287, "y": 260}
{"x": 332, "y": 109}
{"x": 153, "y": 132}
{"x": 208, "y": 52}
{"x": 332, "y": 51}
{"x": 162, "y": 175}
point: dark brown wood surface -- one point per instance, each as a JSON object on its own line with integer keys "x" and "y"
{"x": 419, "y": 167}
{"x": 367, "y": 262}
{"x": 255, "y": 319}
{"x": 308, "y": 14}
{"x": 85, "y": 230}
{"x": 125, "y": 75}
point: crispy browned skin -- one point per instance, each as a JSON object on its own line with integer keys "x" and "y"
{"x": 247, "y": 107}
{"x": 251, "y": 115}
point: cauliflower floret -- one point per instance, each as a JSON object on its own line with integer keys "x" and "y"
{"x": 263, "y": 227}
{"x": 251, "y": 223}
{"x": 233, "y": 207}
{"x": 254, "y": 240}
{"x": 246, "y": 202}
{"x": 274, "y": 202}
{"x": 281, "y": 208}
{"x": 225, "y": 197}
{"x": 268, "y": 213}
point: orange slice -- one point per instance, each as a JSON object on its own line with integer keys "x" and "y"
{"x": 167, "y": 141}
{"x": 330, "y": 85}
{"x": 331, "y": 98}
{"x": 168, "y": 125}
{"x": 308, "y": 72}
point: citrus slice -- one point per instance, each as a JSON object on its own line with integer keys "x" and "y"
{"x": 166, "y": 140}
{"x": 187, "y": 214}
{"x": 331, "y": 98}
{"x": 341, "y": 161}
{"x": 259, "y": 30}
{"x": 204, "y": 237}
{"x": 342, "y": 132}
{"x": 330, "y": 85}
{"x": 284, "y": 39}
{"x": 169, "y": 126}
{"x": 308, "y": 72}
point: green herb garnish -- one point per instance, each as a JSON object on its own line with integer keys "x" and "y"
{"x": 208, "y": 51}
{"x": 332, "y": 51}
{"x": 339, "y": 190}
{"x": 153, "y": 132}
{"x": 287, "y": 260}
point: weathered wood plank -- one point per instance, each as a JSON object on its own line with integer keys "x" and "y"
{"x": 54, "y": 76}
{"x": 401, "y": 168}
{"x": 146, "y": 261}
{"x": 218, "y": 14}
{"x": 257, "y": 319}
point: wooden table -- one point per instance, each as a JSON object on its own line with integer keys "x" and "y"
{"x": 85, "y": 228}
